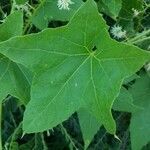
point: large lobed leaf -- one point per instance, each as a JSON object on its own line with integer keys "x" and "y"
{"x": 74, "y": 66}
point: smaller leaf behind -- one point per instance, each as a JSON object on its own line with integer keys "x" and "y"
{"x": 124, "y": 102}
{"x": 140, "y": 121}
{"x": 89, "y": 124}
{"x": 14, "y": 78}
{"x": 126, "y": 15}
{"x": 110, "y": 7}
{"x": 12, "y": 26}
{"x": 48, "y": 11}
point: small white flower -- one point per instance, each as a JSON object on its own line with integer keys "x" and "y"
{"x": 64, "y": 4}
{"x": 117, "y": 32}
{"x": 135, "y": 12}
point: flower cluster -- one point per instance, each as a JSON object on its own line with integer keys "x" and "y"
{"x": 117, "y": 32}
{"x": 64, "y": 4}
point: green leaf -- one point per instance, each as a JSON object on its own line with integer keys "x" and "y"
{"x": 89, "y": 126}
{"x": 48, "y": 11}
{"x": 140, "y": 121}
{"x": 126, "y": 15}
{"x": 110, "y": 7}
{"x": 13, "y": 80}
{"x": 12, "y": 76}
{"x": 127, "y": 10}
{"x": 36, "y": 143}
{"x": 15, "y": 146}
{"x": 28, "y": 145}
{"x": 21, "y": 1}
{"x": 131, "y": 78}
{"x": 74, "y": 66}
{"x": 124, "y": 102}
{"x": 12, "y": 26}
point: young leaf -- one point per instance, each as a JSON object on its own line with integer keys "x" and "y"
{"x": 19, "y": 2}
{"x": 89, "y": 126}
{"x": 12, "y": 78}
{"x": 74, "y": 66}
{"x": 140, "y": 121}
{"x": 126, "y": 14}
{"x": 12, "y": 26}
{"x": 48, "y": 10}
{"x": 124, "y": 102}
{"x": 110, "y": 7}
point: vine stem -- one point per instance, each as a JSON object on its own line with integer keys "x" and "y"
{"x": 1, "y": 126}
{"x": 16, "y": 131}
{"x": 68, "y": 136}
{"x": 44, "y": 144}
{"x": 138, "y": 37}
{"x": 141, "y": 40}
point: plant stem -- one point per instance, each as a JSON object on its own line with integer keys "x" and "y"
{"x": 1, "y": 126}
{"x": 68, "y": 136}
{"x": 141, "y": 40}
{"x": 43, "y": 141}
{"x": 144, "y": 33}
{"x": 27, "y": 26}
{"x": 15, "y": 134}
{"x": 2, "y": 11}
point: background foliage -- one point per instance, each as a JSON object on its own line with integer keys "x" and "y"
{"x": 131, "y": 108}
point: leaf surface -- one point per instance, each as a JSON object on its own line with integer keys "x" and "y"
{"x": 110, "y": 7}
{"x": 140, "y": 121}
{"x": 124, "y": 102}
{"x": 13, "y": 79}
{"x": 74, "y": 66}
{"x": 8, "y": 29}
{"x": 126, "y": 15}
{"x": 89, "y": 126}
{"x": 48, "y": 11}
{"x": 21, "y": 2}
